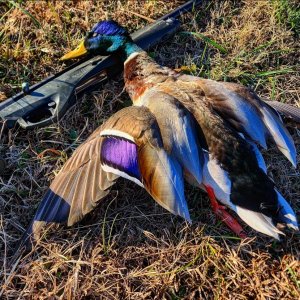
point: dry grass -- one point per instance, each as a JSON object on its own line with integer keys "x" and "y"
{"x": 129, "y": 248}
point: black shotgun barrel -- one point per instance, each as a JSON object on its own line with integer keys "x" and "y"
{"x": 184, "y": 8}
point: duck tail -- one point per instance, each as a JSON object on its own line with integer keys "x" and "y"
{"x": 259, "y": 222}
{"x": 268, "y": 224}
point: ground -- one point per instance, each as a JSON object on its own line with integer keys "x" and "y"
{"x": 129, "y": 247}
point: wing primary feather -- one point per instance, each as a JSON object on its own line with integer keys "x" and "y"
{"x": 280, "y": 135}
{"x": 286, "y": 214}
{"x": 286, "y": 109}
{"x": 52, "y": 209}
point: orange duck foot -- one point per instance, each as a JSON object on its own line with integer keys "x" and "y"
{"x": 221, "y": 212}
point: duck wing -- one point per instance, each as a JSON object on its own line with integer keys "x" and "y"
{"x": 247, "y": 113}
{"x": 234, "y": 167}
{"x": 178, "y": 130}
{"x": 129, "y": 145}
{"x": 250, "y": 115}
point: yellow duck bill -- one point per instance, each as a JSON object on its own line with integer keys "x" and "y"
{"x": 78, "y": 52}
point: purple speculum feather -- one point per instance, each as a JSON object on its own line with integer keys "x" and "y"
{"x": 121, "y": 154}
{"x": 109, "y": 28}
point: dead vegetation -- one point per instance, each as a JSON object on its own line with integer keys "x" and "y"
{"x": 129, "y": 248}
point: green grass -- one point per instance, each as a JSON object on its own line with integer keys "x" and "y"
{"x": 288, "y": 13}
{"x": 129, "y": 247}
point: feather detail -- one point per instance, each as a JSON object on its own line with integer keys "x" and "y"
{"x": 52, "y": 209}
{"x": 120, "y": 173}
{"x": 163, "y": 179}
{"x": 280, "y": 135}
{"x": 178, "y": 130}
{"x": 116, "y": 133}
{"x": 258, "y": 221}
{"x": 218, "y": 179}
{"x": 240, "y": 113}
{"x": 120, "y": 155}
{"x": 286, "y": 214}
{"x": 186, "y": 148}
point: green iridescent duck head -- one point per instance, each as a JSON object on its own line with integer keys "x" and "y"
{"x": 105, "y": 38}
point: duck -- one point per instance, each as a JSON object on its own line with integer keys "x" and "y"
{"x": 212, "y": 130}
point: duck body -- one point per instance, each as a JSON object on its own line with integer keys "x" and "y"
{"x": 179, "y": 126}
{"x": 233, "y": 166}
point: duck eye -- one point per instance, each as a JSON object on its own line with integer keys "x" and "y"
{"x": 92, "y": 34}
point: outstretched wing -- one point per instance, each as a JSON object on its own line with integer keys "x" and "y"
{"x": 127, "y": 145}
{"x": 75, "y": 191}
{"x": 248, "y": 114}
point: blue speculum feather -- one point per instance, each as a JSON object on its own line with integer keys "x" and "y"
{"x": 121, "y": 154}
{"x": 53, "y": 208}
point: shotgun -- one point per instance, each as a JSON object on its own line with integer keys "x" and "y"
{"x": 48, "y": 100}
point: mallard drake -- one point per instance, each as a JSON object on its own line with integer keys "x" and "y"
{"x": 210, "y": 129}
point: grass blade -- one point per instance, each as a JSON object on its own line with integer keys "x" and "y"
{"x": 207, "y": 40}
{"x": 26, "y": 12}
{"x": 274, "y": 72}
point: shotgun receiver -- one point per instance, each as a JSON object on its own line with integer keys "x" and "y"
{"x": 48, "y": 100}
